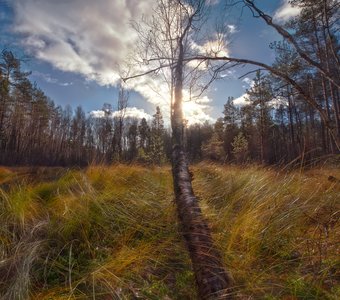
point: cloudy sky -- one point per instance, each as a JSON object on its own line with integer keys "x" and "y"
{"x": 76, "y": 48}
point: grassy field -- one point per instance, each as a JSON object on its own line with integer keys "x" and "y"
{"x": 112, "y": 232}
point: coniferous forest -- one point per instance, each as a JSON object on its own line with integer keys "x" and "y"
{"x": 275, "y": 126}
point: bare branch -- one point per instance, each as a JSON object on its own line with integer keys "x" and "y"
{"x": 285, "y": 34}
{"x": 154, "y": 70}
{"x": 251, "y": 72}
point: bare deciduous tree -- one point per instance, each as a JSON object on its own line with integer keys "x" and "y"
{"x": 166, "y": 41}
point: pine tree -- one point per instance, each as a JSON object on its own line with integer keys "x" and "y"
{"x": 214, "y": 149}
{"x": 156, "y": 153}
{"x": 230, "y": 117}
{"x": 259, "y": 96}
{"x": 240, "y": 148}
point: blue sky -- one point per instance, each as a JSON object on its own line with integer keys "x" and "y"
{"x": 75, "y": 47}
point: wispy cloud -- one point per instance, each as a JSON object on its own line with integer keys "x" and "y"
{"x": 286, "y": 11}
{"x": 50, "y": 79}
{"x": 229, "y": 73}
{"x": 232, "y": 28}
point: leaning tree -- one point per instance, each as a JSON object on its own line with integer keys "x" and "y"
{"x": 166, "y": 41}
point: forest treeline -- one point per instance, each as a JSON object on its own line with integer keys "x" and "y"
{"x": 36, "y": 131}
{"x": 275, "y": 124}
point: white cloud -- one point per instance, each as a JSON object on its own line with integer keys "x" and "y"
{"x": 134, "y": 112}
{"x": 232, "y": 28}
{"x": 277, "y": 102}
{"x": 197, "y": 113}
{"x": 248, "y": 83}
{"x": 242, "y": 100}
{"x": 92, "y": 38}
{"x": 215, "y": 47}
{"x": 286, "y": 11}
{"x": 131, "y": 112}
{"x": 97, "y": 113}
{"x": 229, "y": 73}
{"x": 82, "y": 36}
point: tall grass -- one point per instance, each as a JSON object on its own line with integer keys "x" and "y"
{"x": 112, "y": 233}
{"x": 278, "y": 232}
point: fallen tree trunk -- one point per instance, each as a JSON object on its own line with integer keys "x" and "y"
{"x": 212, "y": 279}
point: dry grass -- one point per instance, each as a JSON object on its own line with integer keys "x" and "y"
{"x": 112, "y": 233}
{"x": 279, "y": 232}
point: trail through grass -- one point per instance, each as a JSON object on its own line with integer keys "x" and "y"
{"x": 112, "y": 233}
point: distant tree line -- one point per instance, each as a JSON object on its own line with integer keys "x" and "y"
{"x": 294, "y": 112}
{"x": 33, "y": 130}
{"x": 296, "y": 116}
{"x": 273, "y": 126}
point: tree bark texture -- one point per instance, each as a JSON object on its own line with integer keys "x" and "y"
{"x": 212, "y": 280}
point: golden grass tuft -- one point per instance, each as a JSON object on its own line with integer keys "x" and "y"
{"x": 112, "y": 233}
{"x": 274, "y": 228}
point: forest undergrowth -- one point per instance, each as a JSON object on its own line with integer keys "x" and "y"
{"x": 112, "y": 232}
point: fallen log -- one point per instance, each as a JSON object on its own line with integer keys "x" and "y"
{"x": 212, "y": 280}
